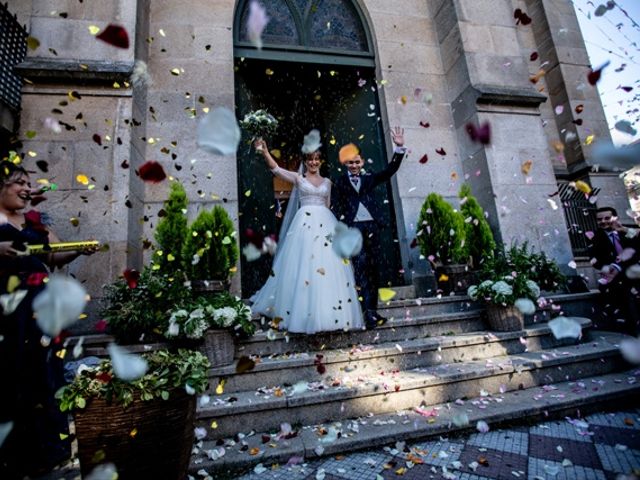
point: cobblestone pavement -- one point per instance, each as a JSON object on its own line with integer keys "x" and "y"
{"x": 601, "y": 446}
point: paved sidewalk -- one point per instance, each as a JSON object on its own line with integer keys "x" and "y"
{"x": 601, "y": 446}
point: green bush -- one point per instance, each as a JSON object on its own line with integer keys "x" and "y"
{"x": 441, "y": 232}
{"x": 136, "y": 314}
{"x": 171, "y": 230}
{"x": 479, "y": 238}
{"x": 522, "y": 258}
{"x": 210, "y": 250}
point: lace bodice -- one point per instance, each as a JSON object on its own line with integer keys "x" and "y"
{"x": 309, "y": 193}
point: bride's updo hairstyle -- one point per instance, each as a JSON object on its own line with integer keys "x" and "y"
{"x": 10, "y": 172}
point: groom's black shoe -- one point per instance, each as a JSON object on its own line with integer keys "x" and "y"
{"x": 380, "y": 320}
{"x": 370, "y": 321}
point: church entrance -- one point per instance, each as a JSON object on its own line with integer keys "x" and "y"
{"x": 305, "y": 89}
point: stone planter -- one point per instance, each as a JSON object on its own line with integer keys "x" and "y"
{"x": 148, "y": 439}
{"x": 218, "y": 347}
{"x": 505, "y": 319}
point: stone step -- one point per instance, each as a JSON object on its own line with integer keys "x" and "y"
{"x": 354, "y": 395}
{"x": 397, "y": 354}
{"x": 536, "y": 403}
{"x": 397, "y": 328}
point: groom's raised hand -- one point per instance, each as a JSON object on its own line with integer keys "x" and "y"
{"x": 397, "y": 135}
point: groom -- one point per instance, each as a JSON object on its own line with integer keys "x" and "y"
{"x": 353, "y": 202}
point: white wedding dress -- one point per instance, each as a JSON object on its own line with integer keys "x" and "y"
{"x": 311, "y": 288}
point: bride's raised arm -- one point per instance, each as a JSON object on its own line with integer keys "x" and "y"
{"x": 286, "y": 175}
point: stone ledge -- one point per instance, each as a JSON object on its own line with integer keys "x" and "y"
{"x": 90, "y": 71}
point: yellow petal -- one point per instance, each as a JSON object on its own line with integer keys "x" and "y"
{"x": 214, "y": 424}
{"x": 276, "y": 153}
{"x": 443, "y": 278}
{"x": 268, "y": 71}
{"x": 83, "y": 179}
{"x": 583, "y": 187}
{"x": 589, "y": 140}
{"x": 526, "y": 166}
{"x": 220, "y": 387}
{"x": 33, "y": 43}
{"x": 93, "y": 29}
{"x": 386, "y": 294}
{"x": 13, "y": 283}
{"x": 170, "y": 258}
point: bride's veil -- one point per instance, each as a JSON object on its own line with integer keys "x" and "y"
{"x": 292, "y": 207}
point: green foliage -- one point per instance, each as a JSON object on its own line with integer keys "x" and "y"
{"x": 442, "y": 232}
{"x": 171, "y": 230}
{"x": 211, "y": 242}
{"x": 167, "y": 372}
{"x": 133, "y": 313}
{"x": 505, "y": 290}
{"x": 523, "y": 259}
{"x": 479, "y": 237}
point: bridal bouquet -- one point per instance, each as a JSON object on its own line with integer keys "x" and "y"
{"x": 259, "y": 123}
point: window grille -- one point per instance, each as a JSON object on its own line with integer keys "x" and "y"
{"x": 13, "y": 48}
{"x": 580, "y": 215}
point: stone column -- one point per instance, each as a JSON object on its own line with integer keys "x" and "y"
{"x": 488, "y": 81}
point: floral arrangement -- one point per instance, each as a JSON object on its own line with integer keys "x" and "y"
{"x": 186, "y": 369}
{"x": 192, "y": 319}
{"x": 259, "y": 123}
{"x": 514, "y": 289}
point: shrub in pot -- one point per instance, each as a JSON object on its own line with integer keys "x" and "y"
{"x": 478, "y": 234}
{"x": 441, "y": 238}
{"x": 171, "y": 231}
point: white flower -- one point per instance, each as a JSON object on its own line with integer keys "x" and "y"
{"x": 472, "y": 291}
{"x": 502, "y": 288}
{"x": 225, "y": 316}
{"x": 173, "y": 330}
{"x": 533, "y": 288}
{"x": 485, "y": 284}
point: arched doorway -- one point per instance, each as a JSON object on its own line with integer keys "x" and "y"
{"x": 315, "y": 70}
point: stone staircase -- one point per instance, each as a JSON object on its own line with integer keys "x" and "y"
{"x": 431, "y": 370}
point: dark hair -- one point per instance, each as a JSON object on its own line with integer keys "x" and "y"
{"x": 8, "y": 171}
{"x": 607, "y": 209}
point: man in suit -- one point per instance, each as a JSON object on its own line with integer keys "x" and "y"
{"x": 614, "y": 248}
{"x": 353, "y": 202}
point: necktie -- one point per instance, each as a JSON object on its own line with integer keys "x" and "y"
{"x": 615, "y": 239}
{"x": 354, "y": 179}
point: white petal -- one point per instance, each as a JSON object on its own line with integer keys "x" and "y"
{"x": 460, "y": 419}
{"x": 5, "y": 428}
{"x": 526, "y": 306}
{"x": 251, "y": 253}
{"x": 256, "y": 23}
{"x": 126, "y": 366}
{"x": 10, "y": 301}
{"x": 59, "y": 304}
{"x": 200, "y": 433}
{"x": 565, "y": 327}
{"x": 106, "y": 471}
{"x": 218, "y": 132}
{"x": 630, "y": 350}
{"x": 311, "y": 141}
{"x": 258, "y": 469}
{"x": 633, "y": 272}
{"x": 347, "y": 242}
{"x": 482, "y": 426}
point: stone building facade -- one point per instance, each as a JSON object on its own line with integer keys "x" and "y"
{"x": 440, "y": 62}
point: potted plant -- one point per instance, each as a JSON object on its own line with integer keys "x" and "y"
{"x": 442, "y": 241}
{"x": 210, "y": 251}
{"x": 145, "y": 426}
{"x": 508, "y": 298}
{"x": 541, "y": 269}
{"x": 215, "y": 319}
{"x": 478, "y": 234}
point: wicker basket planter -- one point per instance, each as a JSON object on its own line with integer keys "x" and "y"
{"x": 148, "y": 439}
{"x": 218, "y": 347}
{"x": 505, "y": 319}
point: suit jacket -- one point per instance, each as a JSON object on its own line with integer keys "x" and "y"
{"x": 602, "y": 252}
{"x": 345, "y": 198}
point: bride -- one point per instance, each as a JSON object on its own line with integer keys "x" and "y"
{"x": 310, "y": 288}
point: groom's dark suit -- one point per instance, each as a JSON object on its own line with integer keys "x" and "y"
{"x": 346, "y": 198}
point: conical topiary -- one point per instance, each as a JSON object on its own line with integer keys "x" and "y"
{"x": 210, "y": 250}
{"x": 171, "y": 231}
{"x": 478, "y": 233}
{"x": 441, "y": 232}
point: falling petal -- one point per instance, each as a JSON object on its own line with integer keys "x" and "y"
{"x": 348, "y": 152}
{"x": 106, "y": 471}
{"x": 347, "y": 242}
{"x": 482, "y": 426}
{"x": 115, "y": 35}
{"x": 251, "y": 253}
{"x": 311, "y": 141}
{"x": 256, "y": 23}
{"x": 59, "y": 304}
{"x": 441, "y": 151}
{"x": 386, "y": 294}
{"x": 526, "y": 306}
{"x": 594, "y": 75}
{"x": 5, "y": 428}
{"x": 460, "y": 419}
{"x": 152, "y": 172}
{"x": 10, "y": 301}
{"x": 424, "y": 159}
{"x": 480, "y": 134}
{"x": 629, "y": 348}
{"x": 218, "y": 132}
{"x": 625, "y": 126}
{"x": 565, "y": 327}
{"x": 126, "y": 366}
{"x": 131, "y": 276}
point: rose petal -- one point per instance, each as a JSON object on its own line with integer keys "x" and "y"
{"x": 115, "y": 35}
{"x": 218, "y": 132}
{"x": 59, "y": 304}
{"x": 311, "y": 141}
{"x": 565, "y": 327}
{"x": 347, "y": 242}
{"x": 126, "y": 366}
{"x": 152, "y": 172}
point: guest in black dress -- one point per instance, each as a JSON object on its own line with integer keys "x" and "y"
{"x": 30, "y": 369}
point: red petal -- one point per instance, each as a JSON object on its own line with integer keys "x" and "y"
{"x": 254, "y": 237}
{"x": 534, "y": 56}
{"x": 414, "y": 243}
{"x": 425, "y": 124}
{"x": 101, "y": 325}
{"x": 441, "y": 151}
{"x": 152, "y": 172}
{"x": 424, "y": 159}
{"x": 115, "y": 35}
{"x": 594, "y": 75}
{"x": 131, "y": 276}
{"x": 97, "y": 139}
{"x": 627, "y": 89}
